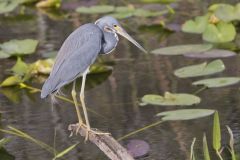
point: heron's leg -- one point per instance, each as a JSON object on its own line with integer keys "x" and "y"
{"x": 83, "y": 102}
{"x": 74, "y": 96}
{"x": 84, "y": 107}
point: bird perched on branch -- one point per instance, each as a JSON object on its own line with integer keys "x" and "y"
{"x": 78, "y": 53}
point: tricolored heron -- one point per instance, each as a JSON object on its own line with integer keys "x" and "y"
{"x": 78, "y": 52}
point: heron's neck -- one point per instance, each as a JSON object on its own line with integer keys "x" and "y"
{"x": 110, "y": 41}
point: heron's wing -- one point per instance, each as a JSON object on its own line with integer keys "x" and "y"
{"x": 77, "y": 53}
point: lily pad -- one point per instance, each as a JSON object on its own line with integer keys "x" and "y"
{"x": 200, "y": 69}
{"x": 198, "y": 25}
{"x": 218, "y": 82}
{"x": 11, "y": 81}
{"x": 182, "y": 49}
{"x": 19, "y": 47}
{"x": 49, "y": 4}
{"x": 220, "y": 32}
{"x": 171, "y": 99}
{"x": 185, "y": 114}
{"x": 214, "y": 53}
{"x": 20, "y": 68}
{"x": 228, "y": 12}
{"x": 8, "y": 6}
{"x": 3, "y": 55}
{"x": 138, "y": 148}
{"x": 98, "y": 9}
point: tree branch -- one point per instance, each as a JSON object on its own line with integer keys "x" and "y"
{"x": 105, "y": 142}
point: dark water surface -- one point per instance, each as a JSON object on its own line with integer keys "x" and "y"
{"x": 115, "y": 99}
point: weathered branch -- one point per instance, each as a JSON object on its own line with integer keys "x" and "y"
{"x": 111, "y": 148}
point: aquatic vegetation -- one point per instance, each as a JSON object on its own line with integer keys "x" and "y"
{"x": 171, "y": 99}
{"x": 218, "y": 82}
{"x": 216, "y": 26}
{"x": 121, "y": 11}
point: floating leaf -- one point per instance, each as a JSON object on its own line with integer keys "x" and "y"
{"x": 198, "y": 25}
{"x": 205, "y": 148}
{"x": 215, "y": 53}
{"x": 216, "y": 132}
{"x": 20, "y": 68}
{"x": 182, "y": 49}
{"x": 170, "y": 99}
{"x": 228, "y": 12}
{"x": 42, "y": 66}
{"x": 185, "y": 114}
{"x": 49, "y": 4}
{"x": 3, "y": 55}
{"x": 218, "y": 82}
{"x": 8, "y": 6}
{"x": 121, "y": 15}
{"x": 11, "y": 81}
{"x": 98, "y": 9}
{"x": 100, "y": 68}
{"x": 158, "y": 1}
{"x": 138, "y": 148}
{"x": 219, "y": 33}
{"x": 200, "y": 69}
{"x": 19, "y": 47}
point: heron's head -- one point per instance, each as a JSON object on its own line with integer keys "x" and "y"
{"x": 111, "y": 25}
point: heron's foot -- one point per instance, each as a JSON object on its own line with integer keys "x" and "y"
{"x": 94, "y": 131}
{"x": 75, "y": 129}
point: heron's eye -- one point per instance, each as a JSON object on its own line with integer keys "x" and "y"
{"x": 114, "y": 25}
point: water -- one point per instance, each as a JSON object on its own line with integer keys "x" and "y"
{"x": 115, "y": 99}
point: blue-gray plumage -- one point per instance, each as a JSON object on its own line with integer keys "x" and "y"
{"x": 78, "y": 52}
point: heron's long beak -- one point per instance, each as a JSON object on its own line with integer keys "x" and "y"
{"x": 123, "y": 33}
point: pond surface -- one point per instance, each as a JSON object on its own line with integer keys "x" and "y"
{"x": 115, "y": 99}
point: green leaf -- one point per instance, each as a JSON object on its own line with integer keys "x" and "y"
{"x": 218, "y": 82}
{"x": 170, "y": 99}
{"x": 198, "y": 25}
{"x": 158, "y": 1}
{"x": 19, "y": 47}
{"x": 121, "y": 15}
{"x": 231, "y": 143}
{"x": 125, "y": 9}
{"x": 216, "y": 132}
{"x": 8, "y": 6}
{"x": 228, "y": 12}
{"x": 185, "y": 114}
{"x": 219, "y": 33}
{"x": 98, "y": 9}
{"x": 192, "y": 154}
{"x": 205, "y": 148}
{"x": 42, "y": 66}
{"x": 49, "y": 4}
{"x": 100, "y": 68}
{"x": 3, "y": 55}
{"x": 20, "y": 68}
{"x": 200, "y": 69}
{"x": 11, "y": 81}
{"x": 3, "y": 141}
{"x": 59, "y": 155}
{"x": 182, "y": 49}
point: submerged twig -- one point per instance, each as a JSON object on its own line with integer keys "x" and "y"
{"x": 105, "y": 142}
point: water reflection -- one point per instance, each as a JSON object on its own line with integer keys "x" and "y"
{"x": 115, "y": 97}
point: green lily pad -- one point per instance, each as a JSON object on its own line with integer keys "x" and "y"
{"x": 42, "y": 66}
{"x": 200, "y": 69}
{"x": 218, "y": 82}
{"x": 198, "y": 25}
{"x": 185, "y": 114}
{"x": 20, "y": 68}
{"x": 170, "y": 99}
{"x": 11, "y": 81}
{"x": 98, "y": 9}
{"x": 19, "y": 47}
{"x": 8, "y": 6}
{"x": 228, "y": 12}
{"x": 121, "y": 15}
{"x": 100, "y": 68}
{"x": 219, "y": 33}
{"x": 182, "y": 49}
{"x": 3, "y": 55}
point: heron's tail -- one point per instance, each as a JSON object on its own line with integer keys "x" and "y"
{"x": 46, "y": 89}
